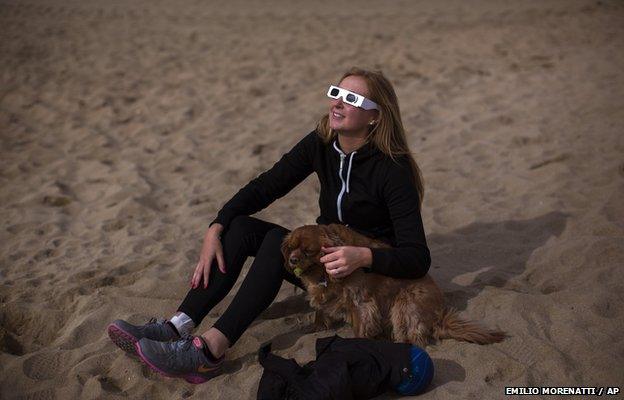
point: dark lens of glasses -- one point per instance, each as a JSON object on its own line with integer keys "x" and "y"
{"x": 351, "y": 98}
{"x": 334, "y": 92}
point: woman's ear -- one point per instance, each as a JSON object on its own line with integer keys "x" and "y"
{"x": 375, "y": 119}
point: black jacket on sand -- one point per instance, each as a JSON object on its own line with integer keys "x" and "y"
{"x": 365, "y": 190}
{"x": 344, "y": 369}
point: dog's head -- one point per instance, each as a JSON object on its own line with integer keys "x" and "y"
{"x": 302, "y": 247}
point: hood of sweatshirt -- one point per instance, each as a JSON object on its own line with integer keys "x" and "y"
{"x": 360, "y": 155}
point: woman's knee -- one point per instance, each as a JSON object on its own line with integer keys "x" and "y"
{"x": 270, "y": 253}
{"x": 239, "y": 226}
{"x": 274, "y": 238}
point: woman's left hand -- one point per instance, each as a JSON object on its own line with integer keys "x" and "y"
{"x": 341, "y": 261}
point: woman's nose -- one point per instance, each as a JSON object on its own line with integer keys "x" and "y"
{"x": 337, "y": 102}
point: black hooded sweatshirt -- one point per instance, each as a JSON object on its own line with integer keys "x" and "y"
{"x": 365, "y": 190}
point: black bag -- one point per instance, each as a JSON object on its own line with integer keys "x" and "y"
{"x": 344, "y": 369}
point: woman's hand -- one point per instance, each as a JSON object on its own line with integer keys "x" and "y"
{"x": 341, "y": 261}
{"x": 211, "y": 248}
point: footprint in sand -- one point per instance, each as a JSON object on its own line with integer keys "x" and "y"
{"x": 9, "y": 343}
{"x": 605, "y": 309}
{"x": 47, "y": 394}
{"x": 492, "y": 124}
{"x": 552, "y": 288}
{"x": 43, "y": 366}
{"x": 113, "y": 225}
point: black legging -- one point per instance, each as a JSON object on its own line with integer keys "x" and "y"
{"x": 245, "y": 236}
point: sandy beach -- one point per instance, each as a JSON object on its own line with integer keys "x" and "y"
{"x": 125, "y": 126}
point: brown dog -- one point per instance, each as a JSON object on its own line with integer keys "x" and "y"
{"x": 406, "y": 310}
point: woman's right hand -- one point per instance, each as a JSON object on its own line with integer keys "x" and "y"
{"x": 211, "y": 248}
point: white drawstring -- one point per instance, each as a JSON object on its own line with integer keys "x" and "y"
{"x": 350, "y": 162}
{"x": 336, "y": 147}
{"x": 344, "y": 184}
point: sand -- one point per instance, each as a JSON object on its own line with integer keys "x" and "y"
{"x": 125, "y": 126}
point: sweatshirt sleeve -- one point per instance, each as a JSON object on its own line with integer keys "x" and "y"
{"x": 410, "y": 259}
{"x": 259, "y": 193}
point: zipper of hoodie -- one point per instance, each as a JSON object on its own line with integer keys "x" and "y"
{"x": 344, "y": 186}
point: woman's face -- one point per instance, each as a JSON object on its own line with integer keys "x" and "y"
{"x": 345, "y": 118}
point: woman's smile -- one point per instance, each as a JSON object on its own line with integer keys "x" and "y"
{"x": 337, "y": 115}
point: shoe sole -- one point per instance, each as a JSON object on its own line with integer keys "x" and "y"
{"x": 190, "y": 378}
{"x": 122, "y": 339}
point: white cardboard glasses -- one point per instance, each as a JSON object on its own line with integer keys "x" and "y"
{"x": 352, "y": 98}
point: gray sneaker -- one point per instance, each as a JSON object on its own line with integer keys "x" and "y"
{"x": 184, "y": 358}
{"x": 125, "y": 335}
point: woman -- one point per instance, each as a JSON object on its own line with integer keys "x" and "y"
{"x": 369, "y": 181}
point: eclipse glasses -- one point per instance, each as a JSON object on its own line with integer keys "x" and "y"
{"x": 352, "y": 98}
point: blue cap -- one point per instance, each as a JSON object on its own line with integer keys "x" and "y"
{"x": 421, "y": 373}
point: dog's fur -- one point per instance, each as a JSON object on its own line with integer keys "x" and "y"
{"x": 376, "y": 306}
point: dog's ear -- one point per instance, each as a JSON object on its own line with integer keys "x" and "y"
{"x": 332, "y": 236}
{"x": 285, "y": 247}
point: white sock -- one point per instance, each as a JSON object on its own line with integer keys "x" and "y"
{"x": 183, "y": 323}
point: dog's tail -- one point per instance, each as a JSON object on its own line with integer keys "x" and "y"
{"x": 451, "y": 326}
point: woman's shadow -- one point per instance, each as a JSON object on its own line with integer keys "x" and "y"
{"x": 488, "y": 254}
{"x": 465, "y": 261}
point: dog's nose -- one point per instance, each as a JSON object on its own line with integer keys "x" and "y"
{"x": 293, "y": 260}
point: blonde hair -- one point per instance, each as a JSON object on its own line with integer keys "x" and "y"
{"x": 388, "y": 133}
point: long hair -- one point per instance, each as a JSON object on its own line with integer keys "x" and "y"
{"x": 388, "y": 133}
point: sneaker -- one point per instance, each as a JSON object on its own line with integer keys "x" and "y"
{"x": 125, "y": 335}
{"x": 186, "y": 358}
